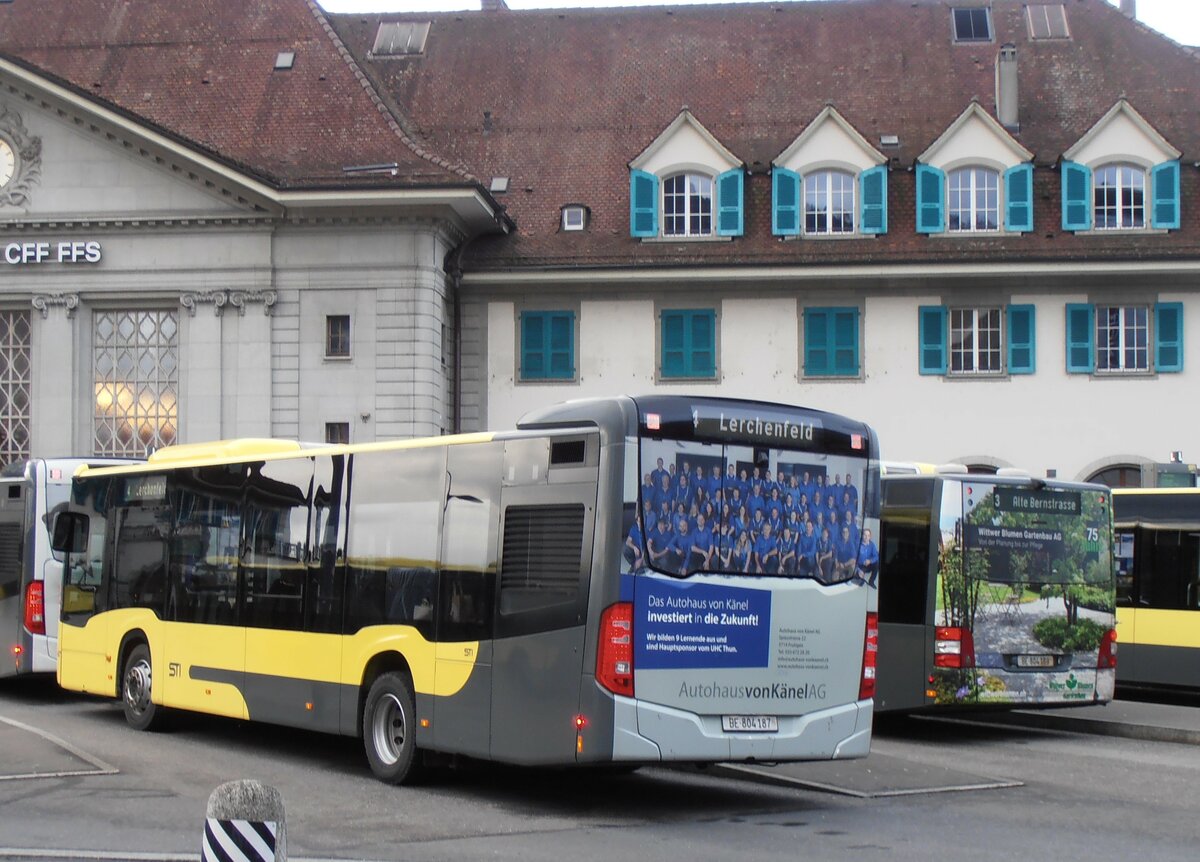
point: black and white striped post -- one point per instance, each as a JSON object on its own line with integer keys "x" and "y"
{"x": 244, "y": 823}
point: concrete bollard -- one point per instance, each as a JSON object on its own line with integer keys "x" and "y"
{"x": 244, "y": 823}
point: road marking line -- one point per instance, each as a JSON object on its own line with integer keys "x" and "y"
{"x": 101, "y": 768}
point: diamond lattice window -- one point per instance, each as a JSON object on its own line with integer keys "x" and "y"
{"x": 15, "y": 385}
{"x": 136, "y": 373}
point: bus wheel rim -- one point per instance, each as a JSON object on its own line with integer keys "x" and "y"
{"x": 388, "y": 729}
{"x": 137, "y": 686}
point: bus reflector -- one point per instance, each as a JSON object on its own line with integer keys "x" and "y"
{"x": 953, "y": 646}
{"x": 35, "y": 608}
{"x": 1108, "y": 651}
{"x": 614, "y": 656}
{"x": 866, "y": 688}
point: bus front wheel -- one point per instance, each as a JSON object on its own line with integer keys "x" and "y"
{"x": 390, "y": 730}
{"x": 141, "y": 712}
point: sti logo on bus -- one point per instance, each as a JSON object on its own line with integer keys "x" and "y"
{"x": 772, "y": 430}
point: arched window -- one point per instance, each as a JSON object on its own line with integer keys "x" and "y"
{"x": 1119, "y": 197}
{"x": 1119, "y": 476}
{"x": 974, "y": 199}
{"x": 687, "y": 205}
{"x": 828, "y": 202}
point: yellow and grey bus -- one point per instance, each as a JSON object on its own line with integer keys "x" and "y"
{"x": 994, "y": 591}
{"x": 490, "y": 595}
{"x": 1158, "y": 586}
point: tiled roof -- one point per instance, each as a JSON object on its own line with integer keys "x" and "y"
{"x": 560, "y": 100}
{"x": 202, "y": 71}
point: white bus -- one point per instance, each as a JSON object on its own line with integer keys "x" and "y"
{"x": 31, "y": 492}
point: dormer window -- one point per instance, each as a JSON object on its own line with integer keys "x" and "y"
{"x": 687, "y": 205}
{"x": 829, "y": 202}
{"x": 974, "y": 200}
{"x": 1118, "y": 197}
{"x": 1121, "y": 175}
{"x": 686, "y": 185}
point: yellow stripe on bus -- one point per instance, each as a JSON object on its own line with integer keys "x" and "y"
{"x": 1157, "y": 627}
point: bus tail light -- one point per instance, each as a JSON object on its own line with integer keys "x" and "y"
{"x": 953, "y": 646}
{"x": 866, "y": 687}
{"x": 35, "y": 608}
{"x": 1108, "y": 651}
{"x": 614, "y": 657}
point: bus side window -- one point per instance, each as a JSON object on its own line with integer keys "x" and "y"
{"x": 140, "y": 566}
{"x": 1125, "y": 540}
{"x": 1168, "y": 577}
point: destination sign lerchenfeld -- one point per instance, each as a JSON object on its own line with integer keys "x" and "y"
{"x": 765, "y": 429}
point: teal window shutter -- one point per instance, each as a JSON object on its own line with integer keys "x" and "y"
{"x": 1022, "y": 344}
{"x": 831, "y": 342}
{"x": 1168, "y": 337}
{"x": 1081, "y": 338}
{"x": 932, "y": 336}
{"x": 689, "y": 343}
{"x": 1018, "y": 198}
{"x": 931, "y": 199}
{"x": 1164, "y": 185}
{"x": 643, "y": 204}
{"x": 1076, "y": 196}
{"x": 785, "y": 202}
{"x": 872, "y": 197}
{"x": 730, "y": 187}
{"x": 547, "y": 345}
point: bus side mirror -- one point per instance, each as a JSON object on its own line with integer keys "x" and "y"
{"x": 70, "y": 533}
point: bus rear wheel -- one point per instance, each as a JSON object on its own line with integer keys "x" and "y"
{"x": 137, "y": 678}
{"x": 390, "y": 730}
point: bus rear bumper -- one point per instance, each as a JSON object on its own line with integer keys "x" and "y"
{"x": 647, "y": 732}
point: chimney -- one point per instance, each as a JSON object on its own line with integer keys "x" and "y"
{"x": 1129, "y": 8}
{"x": 1006, "y": 87}
{"x": 493, "y": 6}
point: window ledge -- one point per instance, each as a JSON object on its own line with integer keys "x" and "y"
{"x": 831, "y": 378}
{"x": 1124, "y": 231}
{"x": 339, "y": 358}
{"x": 547, "y": 381}
{"x": 976, "y": 234}
{"x": 989, "y": 375}
{"x": 686, "y": 239}
{"x": 1143, "y": 374}
{"x": 827, "y": 237}
{"x": 667, "y": 381}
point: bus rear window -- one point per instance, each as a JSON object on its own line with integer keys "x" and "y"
{"x": 743, "y": 509}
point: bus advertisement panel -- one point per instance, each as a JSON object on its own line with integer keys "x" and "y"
{"x": 1027, "y": 571}
{"x": 750, "y": 585}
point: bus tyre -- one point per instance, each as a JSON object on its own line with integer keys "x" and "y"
{"x": 390, "y": 730}
{"x": 141, "y": 711}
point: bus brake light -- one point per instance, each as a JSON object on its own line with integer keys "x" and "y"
{"x": 35, "y": 608}
{"x": 866, "y": 686}
{"x": 954, "y": 647}
{"x": 1108, "y": 651}
{"x": 614, "y": 656}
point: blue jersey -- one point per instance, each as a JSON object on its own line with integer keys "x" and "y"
{"x": 868, "y": 555}
{"x": 763, "y": 546}
{"x": 806, "y": 546}
{"x": 845, "y": 550}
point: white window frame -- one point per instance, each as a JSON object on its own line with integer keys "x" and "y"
{"x": 820, "y": 184}
{"x": 1121, "y": 336}
{"x": 1128, "y": 184}
{"x": 981, "y": 181}
{"x": 339, "y": 357}
{"x": 697, "y": 188}
{"x": 574, "y": 218}
{"x": 969, "y": 329}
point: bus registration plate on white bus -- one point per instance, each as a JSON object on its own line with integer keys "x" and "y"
{"x": 750, "y": 723}
{"x": 1035, "y": 661}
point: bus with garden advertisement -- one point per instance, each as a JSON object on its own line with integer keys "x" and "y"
{"x": 31, "y": 492}
{"x": 994, "y": 591}
{"x": 492, "y": 595}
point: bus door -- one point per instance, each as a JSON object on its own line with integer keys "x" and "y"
{"x": 291, "y": 676}
{"x": 205, "y": 643}
{"x": 549, "y": 513}
{"x": 466, "y": 599}
{"x": 905, "y": 598}
{"x": 14, "y": 641}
